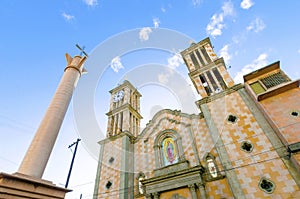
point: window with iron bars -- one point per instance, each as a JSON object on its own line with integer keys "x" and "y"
{"x": 268, "y": 82}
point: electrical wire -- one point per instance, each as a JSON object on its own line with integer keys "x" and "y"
{"x": 221, "y": 171}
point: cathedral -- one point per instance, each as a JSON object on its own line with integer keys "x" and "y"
{"x": 244, "y": 143}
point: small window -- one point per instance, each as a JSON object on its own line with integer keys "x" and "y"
{"x": 268, "y": 82}
{"x": 205, "y": 84}
{"x": 199, "y": 57}
{"x": 247, "y": 146}
{"x": 111, "y": 160}
{"x": 219, "y": 78}
{"x": 266, "y": 185}
{"x": 212, "y": 80}
{"x": 108, "y": 184}
{"x": 274, "y": 80}
{"x": 232, "y": 118}
{"x": 205, "y": 55}
{"x": 194, "y": 60}
{"x": 295, "y": 113}
{"x": 211, "y": 167}
{"x": 257, "y": 88}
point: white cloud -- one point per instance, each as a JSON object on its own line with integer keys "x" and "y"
{"x": 156, "y": 22}
{"x": 259, "y": 62}
{"x": 214, "y": 28}
{"x": 175, "y": 61}
{"x": 197, "y": 2}
{"x": 246, "y": 4}
{"x": 227, "y": 8}
{"x": 216, "y": 24}
{"x": 299, "y": 51}
{"x": 257, "y": 25}
{"x": 191, "y": 85}
{"x": 116, "y": 64}
{"x": 163, "y": 78}
{"x": 144, "y": 33}
{"x": 225, "y": 54}
{"x": 91, "y": 2}
{"x": 163, "y": 9}
{"x": 67, "y": 17}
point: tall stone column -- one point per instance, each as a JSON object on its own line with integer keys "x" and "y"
{"x": 36, "y": 158}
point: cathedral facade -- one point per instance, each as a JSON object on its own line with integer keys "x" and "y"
{"x": 244, "y": 143}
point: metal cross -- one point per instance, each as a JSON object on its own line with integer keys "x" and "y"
{"x": 82, "y": 50}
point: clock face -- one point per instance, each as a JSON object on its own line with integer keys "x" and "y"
{"x": 118, "y": 96}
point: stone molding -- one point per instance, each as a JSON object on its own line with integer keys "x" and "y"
{"x": 174, "y": 180}
{"x": 19, "y": 186}
{"x": 219, "y": 95}
{"x": 172, "y": 168}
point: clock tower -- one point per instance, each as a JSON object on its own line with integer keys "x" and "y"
{"x": 124, "y": 112}
{"x": 116, "y": 158}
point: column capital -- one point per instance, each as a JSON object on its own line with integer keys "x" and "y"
{"x": 148, "y": 196}
{"x": 192, "y": 186}
{"x": 156, "y": 195}
{"x": 76, "y": 63}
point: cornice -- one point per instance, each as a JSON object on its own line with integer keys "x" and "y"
{"x": 219, "y": 95}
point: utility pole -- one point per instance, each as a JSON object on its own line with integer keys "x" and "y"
{"x": 74, "y": 154}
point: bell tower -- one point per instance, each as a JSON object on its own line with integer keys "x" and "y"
{"x": 124, "y": 112}
{"x": 207, "y": 72}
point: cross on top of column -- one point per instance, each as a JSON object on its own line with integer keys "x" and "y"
{"x": 82, "y": 50}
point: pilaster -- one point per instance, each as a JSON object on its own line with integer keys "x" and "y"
{"x": 126, "y": 170}
{"x": 271, "y": 134}
{"x": 196, "y": 154}
{"x": 96, "y": 187}
{"x": 192, "y": 188}
{"x": 201, "y": 188}
{"x": 234, "y": 184}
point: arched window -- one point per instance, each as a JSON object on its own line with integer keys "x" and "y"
{"x": 168, "y": 148}
{"x": 211, "y": 167}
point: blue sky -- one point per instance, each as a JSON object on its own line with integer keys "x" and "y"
{"x": 35, "y": 35}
